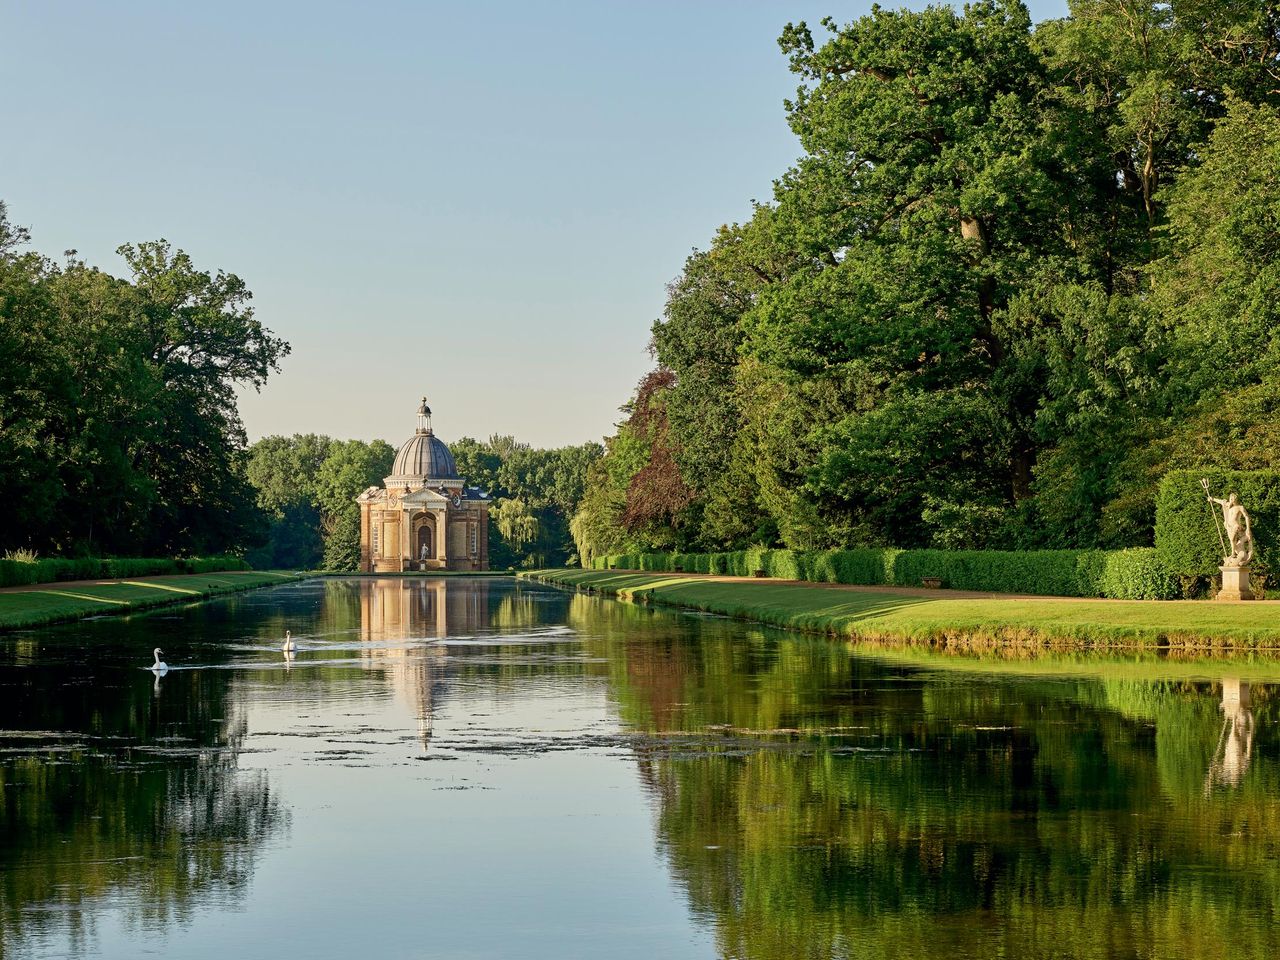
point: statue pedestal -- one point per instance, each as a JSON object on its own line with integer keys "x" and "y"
{"x": 1235, "y": 583}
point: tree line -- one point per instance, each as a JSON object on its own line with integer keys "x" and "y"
{"x": 307, "y": 485}
{"x": 120, "y": 434}
{"x": 119, "y": 431}
{"x": 1017, "y": 274}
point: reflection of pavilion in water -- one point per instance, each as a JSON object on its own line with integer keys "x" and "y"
{"x": 405, "y": 608}
{"x": 1234, "y": 752}
{"x": 414, "y": 609}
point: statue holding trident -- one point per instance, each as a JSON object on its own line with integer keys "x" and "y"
{"x": 1237, "y": 546}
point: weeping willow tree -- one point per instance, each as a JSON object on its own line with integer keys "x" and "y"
{"x": 518, "y": 524}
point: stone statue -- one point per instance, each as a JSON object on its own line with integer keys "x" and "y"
{"x": 1235, "y": 520}
{"x": 1237, "y": 546}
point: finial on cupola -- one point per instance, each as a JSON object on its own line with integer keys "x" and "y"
{"x": 424, "y": 417}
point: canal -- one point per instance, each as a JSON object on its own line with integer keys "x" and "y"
{"x": 485, "y": 768}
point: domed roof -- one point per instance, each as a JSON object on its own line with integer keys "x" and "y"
{"x": 424, "y": 454}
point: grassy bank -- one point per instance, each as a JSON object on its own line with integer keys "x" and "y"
{"x": 56, "y": 603}
{"x": 963, "y": 622}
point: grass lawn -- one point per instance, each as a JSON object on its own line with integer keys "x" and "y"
{"x": 56, "y": 602}
{"x": 973, "y": 622}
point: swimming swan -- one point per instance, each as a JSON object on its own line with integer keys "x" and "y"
{"x": 159, "y": 666}
{"x": 290, "y": 645}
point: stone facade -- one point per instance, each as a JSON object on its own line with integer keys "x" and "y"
{"x": 424, "y": 517}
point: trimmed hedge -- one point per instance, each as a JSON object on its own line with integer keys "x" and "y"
{"x": 1186, "y": 538}
{"x": 15, "y": 573}
{"x": 1135, "y": 574}
{"x": 1059, "y": 573}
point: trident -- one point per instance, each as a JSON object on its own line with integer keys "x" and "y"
{"x": 1222, "y": 540}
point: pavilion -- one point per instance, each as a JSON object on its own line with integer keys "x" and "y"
{"x": 424, "y": 516}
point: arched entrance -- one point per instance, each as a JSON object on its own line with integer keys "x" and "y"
{"x": 424, "y": 547}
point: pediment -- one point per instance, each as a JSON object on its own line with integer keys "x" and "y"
{"x": 425, "y": 497}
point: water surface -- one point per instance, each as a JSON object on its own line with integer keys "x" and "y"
{"x": 485, "y": 768}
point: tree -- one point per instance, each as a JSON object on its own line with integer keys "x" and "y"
{"x": 309, "y": 484}
{"x": 1014, "y": 275}
{"x": 536, "y": 492}
{"x": 350, "y": 467}
{"x": 284, "y": 473}
{"x": 119, "y": 423}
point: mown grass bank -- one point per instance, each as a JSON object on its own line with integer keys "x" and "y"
{"x": 964, "y": 622}
{"x": 56, "y": 603}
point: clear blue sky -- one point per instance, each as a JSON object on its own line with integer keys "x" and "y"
{"x": 482, "y": 202}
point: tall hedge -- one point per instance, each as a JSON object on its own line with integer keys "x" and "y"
{"x": 1186, "y": 540}
{"x": 1064, "y": 573}
{"x": 1135, "y": 574}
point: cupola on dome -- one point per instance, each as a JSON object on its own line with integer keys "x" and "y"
{"x": 424, "y": 454}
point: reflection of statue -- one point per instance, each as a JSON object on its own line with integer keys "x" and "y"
{"x": 1239, "y": 530}
{"x": 1235, "y": 744}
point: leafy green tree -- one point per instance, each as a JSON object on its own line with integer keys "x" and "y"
{"x": 516, "y": 522}
{"x": 1014, "y": 277}
{"x": 308, "y": 484}
{"x": 284, "y": 473}
{"x": 119, "y": 419}
{"x": 537, "y": 492}
{"x": 478, "y": 462}
{"x": 350, "y": 467}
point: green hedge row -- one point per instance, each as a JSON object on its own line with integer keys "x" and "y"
{"x": 1186, "y": 554}
{"x": 15, "y": 573}
{"x": 1135, "y": 574}
{"x": 1186, "y": 537}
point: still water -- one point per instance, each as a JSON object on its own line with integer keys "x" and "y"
{"x": 483, "y": 768}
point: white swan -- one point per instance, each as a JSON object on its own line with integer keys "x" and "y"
{"x": 159, "y": 666}
{"x": 290, "y": 645}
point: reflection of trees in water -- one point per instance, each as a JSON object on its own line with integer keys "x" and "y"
{"x": 525, "y": 608}
{"x": 159, "y": 836}
{"x": 928, "y": 815}
{"x": 113, "y": 794}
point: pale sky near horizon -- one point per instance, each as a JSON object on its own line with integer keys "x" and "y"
{"x": 481, "y": 202}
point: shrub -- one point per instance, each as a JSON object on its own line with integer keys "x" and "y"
{"x": 1046, "y": 572}
{"x": 139, "y": 567}
{"x": 1136, "y": 574}
{"x": 866, "y": 567}
{"x": 781, "y": 564}
{"x": 1186, "y": 537}
{"x": 212, "y": 564}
